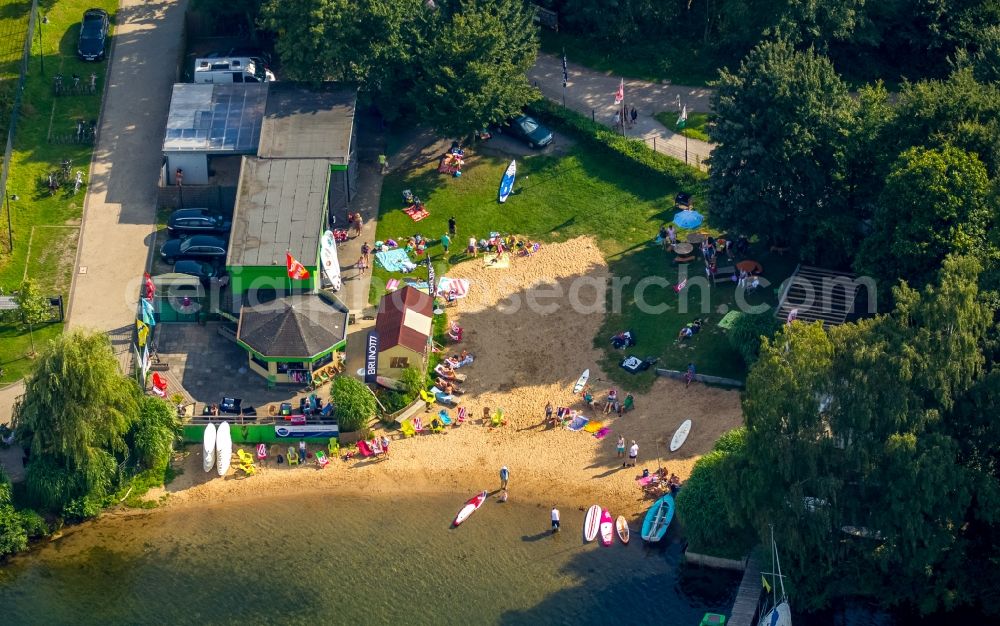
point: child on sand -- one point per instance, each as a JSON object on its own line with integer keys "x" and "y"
{"x": 621, "y": 447}
{"x": 548, "y": 412}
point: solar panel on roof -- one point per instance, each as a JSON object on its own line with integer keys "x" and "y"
{"x": 215, "y": 118}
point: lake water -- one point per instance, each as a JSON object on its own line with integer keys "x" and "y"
{"x": 353, "y": 560}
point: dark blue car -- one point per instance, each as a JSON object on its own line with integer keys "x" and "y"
{"x": 93, "y": 35}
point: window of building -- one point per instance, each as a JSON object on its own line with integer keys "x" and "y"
{"x": 399, "y": 362}
{"x": 261, "y": 363}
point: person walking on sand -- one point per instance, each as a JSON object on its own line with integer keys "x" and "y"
{"x": 621, "y": 447}
{"x": 689, "y": 375}
{"x": 452, "y": 226}
{"x": 504, "y": 476}
{"x": 548, "y": 412}
{"x": 633, "y": 453}
{"x": 555, "y": 519}
{"x": 503, "y": 496}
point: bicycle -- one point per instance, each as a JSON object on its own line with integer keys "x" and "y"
{"x": 78, "y": 182}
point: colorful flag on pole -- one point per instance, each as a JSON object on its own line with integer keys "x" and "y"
{"x": 565, "y": 70}
{"x": 296, "y": 271}
{"x": 145, "y": 363}
{"x": 682, "y": 118}
{"x": 620, "y": 94}
{"x": 148, "y": 316}
{"x": 767, "y": 586}
{"x": 142, "y": 331}
{"x": 148, "y": 283}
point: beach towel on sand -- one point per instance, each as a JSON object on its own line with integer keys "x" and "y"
{"x": 602, "y": 433}
{"x": 395, "y": 260}
{"x": 593, "y": 427}
{"x": 492, "y": 262}
{"x": 578, "y": 423}
{"x": 459, "y": 286}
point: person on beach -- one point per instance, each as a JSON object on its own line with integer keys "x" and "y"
{"x": 366, "y": 251}
{"x": 302, "y": 450}
{"x": 634, "y": 115}
{"x": 621, "y": 447}
{"x": 555, "y": 519}
{"x": 445, "y": 243}
{"x": 548, "y": 412}
{"x": 612, "y": 401}
{"x": 452, "y": 226}
{"x": 504, "y": 476}
{"x": 689, "y": 375}
{"x": 633, "y": 453}
{"x": 503, "y": 496}
{"x": 472, "y": 250}
{"x": 362, "y": 265}
{"x": 385, "y": 445}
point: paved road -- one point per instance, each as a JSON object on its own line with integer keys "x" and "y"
{"x": 120, "y": 210}
{"x": 593, "y": 93}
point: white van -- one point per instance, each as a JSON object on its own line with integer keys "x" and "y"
{"x": 231, "y": 70}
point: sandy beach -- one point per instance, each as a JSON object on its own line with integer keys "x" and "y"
{"x": 526, "y": 355}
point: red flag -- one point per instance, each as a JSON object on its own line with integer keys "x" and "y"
{"x": 296, "y": 271}
{"x": 620, "y": 94}
{"x": 150, "y": 287}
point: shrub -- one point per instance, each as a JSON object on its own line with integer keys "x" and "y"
{"x": 82, "y": 509}
{"x": 745, "y": 334}
{"x": 412, "y": 381}
{"x": 13, "y": 537}
{"x": 34, "y": 524}
{"x": 732, "y": 441}
{"x": 353, "y": 403}
{"x": 630, "y": 151}
{"x": 154, "y": 432}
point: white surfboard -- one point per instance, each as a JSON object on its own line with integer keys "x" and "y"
{"x": 223, "y": 448}
{"x": 331, "y": 262}
{"x": 581, "y": 382}
{"x": 680, "y": 436}
{"x": 208, "y": 451}
{"x": 592, "y": 523}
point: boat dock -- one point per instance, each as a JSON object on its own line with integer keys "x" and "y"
{"x": 748, "y": 595}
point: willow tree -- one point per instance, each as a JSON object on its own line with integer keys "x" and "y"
{"x": 74, "y": 417}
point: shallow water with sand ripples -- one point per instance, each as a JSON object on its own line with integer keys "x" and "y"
{"x": 353, "y": 560}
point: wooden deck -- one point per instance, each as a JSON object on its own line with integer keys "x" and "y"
{"x": 748, "y": 595}
{"x": 819, "y": 295}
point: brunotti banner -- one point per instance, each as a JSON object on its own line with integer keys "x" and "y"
{"x": 371, "y": 357}
{"x": 431, "y": 278}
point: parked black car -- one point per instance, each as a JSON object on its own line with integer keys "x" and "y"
{"x": 206, "y": 272}
{"x": 93, "y": 35}
{"x": 529, "y": 131}
{"x": 197, "y": 221}
{"x": 196, "y": 247}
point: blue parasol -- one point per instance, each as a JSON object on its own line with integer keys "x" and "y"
{"x": 688, "y": 219}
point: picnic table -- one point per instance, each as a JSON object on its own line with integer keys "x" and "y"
{"x": 683, "y": 248}
{"x": 750, "y": 267}
{"x": 696, "y": 238}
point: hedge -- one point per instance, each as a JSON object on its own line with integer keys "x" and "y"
{"x": 630, "y": 151}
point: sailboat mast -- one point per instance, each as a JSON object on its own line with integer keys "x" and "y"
{"x": 777, "y": 560}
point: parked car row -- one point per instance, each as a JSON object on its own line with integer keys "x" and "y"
{"x": 198, "y": 243}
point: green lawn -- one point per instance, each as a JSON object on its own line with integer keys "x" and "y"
{"x": 46, "y": 227}
{"x": 562, "y": 197}
{"x": 654, "y": 61}
{"x": 696, "y": 127}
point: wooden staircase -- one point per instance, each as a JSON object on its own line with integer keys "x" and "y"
{"x": 819, "y": 295}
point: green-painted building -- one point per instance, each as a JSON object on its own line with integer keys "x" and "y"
{"x": 304, "y": 172}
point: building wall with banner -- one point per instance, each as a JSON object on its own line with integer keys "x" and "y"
{"x": 263, "y": 433}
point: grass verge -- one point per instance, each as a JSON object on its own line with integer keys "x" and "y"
{"x": 46, "y": 226}
{"x": 696, "y": 127}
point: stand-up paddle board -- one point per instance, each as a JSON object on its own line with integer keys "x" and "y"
{"x": 507, "y": 182}
{"x": 680, "y": 436}
{"x": 581, "y": 382}
{"x": 591, "y": 523}
{"x": 223, "y": 448}
{"x": 607, "y": 528}
{"x": 621, "y": 525}
{"x": 470, "y": 507}
{"x": 208, "y": 452}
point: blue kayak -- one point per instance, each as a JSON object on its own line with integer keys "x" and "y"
{"x": 658, "y": 518}
{"x": 507, "y": 183}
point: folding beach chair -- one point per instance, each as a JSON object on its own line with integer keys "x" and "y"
{"x": 443, "y": 416}
{"x": 262, "y": 452}
{"x": 334, "y": 447}
{"x": 293, "y": 456}
{"x": 406, "y": 428}
{"x": 321, "y": 459}
{"x": 462, "y": 414}
{"x": 364, "y": 450}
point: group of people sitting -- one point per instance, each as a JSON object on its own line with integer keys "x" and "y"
{"x": 622, "y": 340}
{"x": 447, "y": 379}
{"x": 499, "y": 244}
{"x": 612, "y": 404}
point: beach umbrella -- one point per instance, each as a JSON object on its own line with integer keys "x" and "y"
{"x": 688, "y": 219}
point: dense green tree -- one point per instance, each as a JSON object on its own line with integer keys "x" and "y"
{"x": 354, "y": 405}
{"x": 74, "y": 417}
{"x": 782, "y": 122}
{"x": 474, "y": 68}
{"x": 317, "y": 40}
{"x": 934, "y": 202}
{"x": 32, "y": 308}
{"x": 844, "y": 430}
{"x": 154, "y": 432}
